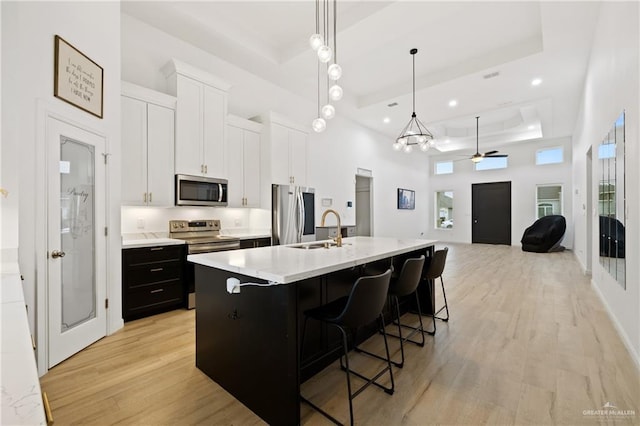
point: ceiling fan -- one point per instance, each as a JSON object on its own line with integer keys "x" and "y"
{"x": 477, "y": 157}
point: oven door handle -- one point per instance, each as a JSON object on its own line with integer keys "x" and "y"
{"x": 208, "y": 248}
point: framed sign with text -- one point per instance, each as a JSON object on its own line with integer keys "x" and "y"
{"x": 77, "y": 79}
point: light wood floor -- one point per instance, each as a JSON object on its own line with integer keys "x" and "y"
{"x": 528, "y": 343}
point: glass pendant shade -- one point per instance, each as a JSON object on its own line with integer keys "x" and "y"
{"x": 315, "y": 41}
{"x": 328, "y": 111}
{"x": 334, "y": 71}
{"x": 324, "y": 54}
{"x": 408, "y": 148}
{"x": 397, "y": 146}
{"x": 319, "y": 125}
{"x": 425, "y": 147}
{"x": 335, "y": 92}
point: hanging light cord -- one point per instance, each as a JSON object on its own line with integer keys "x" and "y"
{"x": 477, "y": 134}
{"x": 413, "y": 55}
{"x": 317, "y": 16}
{"x": 335, "y": 47}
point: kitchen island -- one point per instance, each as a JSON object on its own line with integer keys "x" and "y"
{"x": 248, "y": 342}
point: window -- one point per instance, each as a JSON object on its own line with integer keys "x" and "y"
{"x": 606, "y": 150}
{"x": 548, "y": 200}
{"x": 444, "y": 167}
{"x": 444, "y": 210}
{"x": 490, "y": 163}
{"x": 549, "y": 156}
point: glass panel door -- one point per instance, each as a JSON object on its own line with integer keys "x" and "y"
{"x": 77, "y": 232}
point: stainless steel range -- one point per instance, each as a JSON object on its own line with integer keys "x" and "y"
{"x": 201, "y": 236}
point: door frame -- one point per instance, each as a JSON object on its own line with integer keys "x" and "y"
{"x": 589, "y": 213}
{"x": 45, "y": 112}
{"x": 366, "y": 174}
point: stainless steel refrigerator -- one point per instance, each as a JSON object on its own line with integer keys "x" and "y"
{"x": 292, "y": 214}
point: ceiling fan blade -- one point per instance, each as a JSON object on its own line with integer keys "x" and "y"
{"x": 496, "y": 156}
{"x": 490, "y": 153}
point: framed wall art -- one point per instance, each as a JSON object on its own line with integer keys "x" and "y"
{"x": 77, "y": 79}
{"x": 406, "y": 199}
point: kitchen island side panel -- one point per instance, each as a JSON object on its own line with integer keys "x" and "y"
{"x": 247, "y": 343}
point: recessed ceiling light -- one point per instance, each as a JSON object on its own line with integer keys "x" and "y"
{"x": 531, "y": 127}
{"x": 453, "y": 103}
{"x": 536, "y": 81}
{"x": 386, "y": 120}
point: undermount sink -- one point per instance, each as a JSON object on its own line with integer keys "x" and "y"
{"x": 316, "y": 245}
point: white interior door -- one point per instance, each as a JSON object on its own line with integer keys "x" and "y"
{"x": 76, "y": 244}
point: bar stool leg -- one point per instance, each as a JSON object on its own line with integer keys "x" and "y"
{"x": 401, "y": 363}
{"x": 348, "y": 371}
{"x": 386, "y": 348}
{"x": 446, "y": 305}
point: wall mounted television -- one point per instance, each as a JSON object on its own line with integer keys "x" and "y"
{"x": 406, "y": 199}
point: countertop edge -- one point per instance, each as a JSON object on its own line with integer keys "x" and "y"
{"x": 297, "y": 276}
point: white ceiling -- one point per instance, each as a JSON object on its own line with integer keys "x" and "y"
{"x": 459, "y": 43}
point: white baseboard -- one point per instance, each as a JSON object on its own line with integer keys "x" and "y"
{"x": 583, "y": 267}
{"x": 618, "y": 327}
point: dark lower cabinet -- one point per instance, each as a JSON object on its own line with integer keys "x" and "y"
{"x": 255, "y": 242}
{"x": 152, "y": 280}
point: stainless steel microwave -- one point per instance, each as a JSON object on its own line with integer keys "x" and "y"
{"x": 200, "y": 191}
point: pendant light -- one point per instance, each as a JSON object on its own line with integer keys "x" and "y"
{"x": 414, "y": 133}
{"x": 320, "y": 41}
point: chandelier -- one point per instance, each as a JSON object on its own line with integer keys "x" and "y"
{"x": 320, "y": 41}
{"x": 414, "y": 133}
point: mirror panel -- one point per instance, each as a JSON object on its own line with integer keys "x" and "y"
{"x": 611, "y": 201}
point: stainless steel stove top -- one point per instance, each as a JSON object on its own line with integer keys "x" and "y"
{"x": 202, "y": 236}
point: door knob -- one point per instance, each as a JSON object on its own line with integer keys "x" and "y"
{"x": 475, "y": 221}
{"x": 57, "y": 253}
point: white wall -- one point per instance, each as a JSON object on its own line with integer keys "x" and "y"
{"x": 524, "y": 175}
{"x": 333, "y": 156}
{"x": 611, "y": 86}
{"x": 28, "y": 30}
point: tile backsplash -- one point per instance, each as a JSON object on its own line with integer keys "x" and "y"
{"x": 156, "y": 219}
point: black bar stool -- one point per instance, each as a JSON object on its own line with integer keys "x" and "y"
{"x": 436, "y": 268}
{"x": 406, "y": 284}
{"x": 363, "y": 305}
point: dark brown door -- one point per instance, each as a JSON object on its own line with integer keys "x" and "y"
{"x": 491, "y": 213}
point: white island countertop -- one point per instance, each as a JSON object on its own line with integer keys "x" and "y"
{"x": 286, "y": 264}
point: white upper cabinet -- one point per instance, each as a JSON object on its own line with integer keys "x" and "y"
{"x": 189, "y": 118}
{"x": 298, "y": 157}
{"x": 243, "y": 148}
{"x": 284, "y": 151}
{"x": 147, "y": 146}
{"x": 200, "y": 121}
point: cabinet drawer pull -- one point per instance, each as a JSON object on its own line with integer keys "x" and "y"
{"x": 151, "y": 197}
{"x": 156, "y": 269}
{"x": 47, "y": 409}
{"x": 156, "y": 248}
{"x": 158, "y": 290}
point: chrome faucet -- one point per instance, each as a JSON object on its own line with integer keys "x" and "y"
{"x": 339, "y": 233}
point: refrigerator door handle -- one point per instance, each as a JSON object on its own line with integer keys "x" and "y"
{"x": 302, "y": 215}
